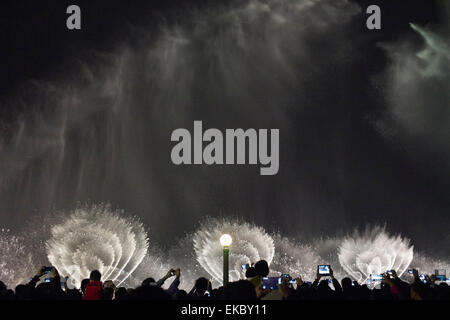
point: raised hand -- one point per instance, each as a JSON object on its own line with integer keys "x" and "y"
{"x": 169, "y": 274}
{"x": 54, "y": 272}
{"x": 386, "y": 279}
{"x": 432, "y": 278}
{"x": 318, "y": 275}
{"x": 284, "y": 287}
{"x": 40, "y": 271}
{"x": 394, "y": 274}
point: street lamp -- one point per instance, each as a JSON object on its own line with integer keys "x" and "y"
{"x": 225, "y": 241}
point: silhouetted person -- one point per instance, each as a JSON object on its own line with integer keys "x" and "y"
{"x": 250, "y": 272}
{"x": 22, "y": 292}
{"x": 148, "y": 282}
{"x": 199, "y": 289}
{"x": 94, "y": 287}
{"x": 261, "y": 270}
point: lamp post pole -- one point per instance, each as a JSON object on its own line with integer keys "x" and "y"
{"x": 225, "y": 241}
{"x": 226, "y": 253}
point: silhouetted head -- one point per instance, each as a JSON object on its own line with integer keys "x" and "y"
{"x": 2, "y": 287}
{"x": 250, "y": 273}
{"x": 262, "y": 268}
{"x": 201, "y": 285}
{"x": 148, "y": 282}
{"x": 84, "y": 282}
{"x": 346, "y": 283}
{"x": 22, "y": 292}
{"x": 443, "y": 291}
{"x": 95, "y": 275}
{"x": 8, "y": 295}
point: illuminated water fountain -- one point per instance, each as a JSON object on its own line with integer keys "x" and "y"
{"x": 16, "y": 263}
{"x": 250, "y": 244}
{"x": 374, "y": 252}
{"x": 98, "y": 238}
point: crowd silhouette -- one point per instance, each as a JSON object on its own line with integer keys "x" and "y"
{"x": 391, "y": 287}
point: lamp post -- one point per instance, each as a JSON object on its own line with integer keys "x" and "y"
{"x": 225, "y": 241}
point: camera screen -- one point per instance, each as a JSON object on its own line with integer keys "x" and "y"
{"x": 376, "y": 277}
{"x": 324, "y": 269}
{"x": 271, "y": 283}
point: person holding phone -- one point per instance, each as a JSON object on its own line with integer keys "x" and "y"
{"x": 397, "y": 287}
{"x": 173, "y": 288}
{"x": 321, "y": 288}
{"x": 48, "y": 290}
{"x": 198, "y": 292}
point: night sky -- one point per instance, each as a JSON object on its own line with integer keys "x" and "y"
{"x": 345, "y": 161}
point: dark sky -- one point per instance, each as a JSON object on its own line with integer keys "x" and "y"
{"x": 36, "y": 43}
{"x": 342, "y": 172}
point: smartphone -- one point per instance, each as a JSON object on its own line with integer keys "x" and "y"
{"x": 284, "y": 275}
{"x": 353, "y": 283}
{"x": 244, "y": 266}
{"x": 440, "y": 277}
{"x": 324, "y": 269}
{"x": 172, "y": 272}
{"x": 47, "y": 279}
{"x": 422, "y": 277}
{"x": 270, "y": 283}
{"x": 389, "y": 272}
{"x": 410, "y": 271}
{"x": 376, "y": 277}
{"x": 330, "y": 281}
{"x": 292, "y": 281}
